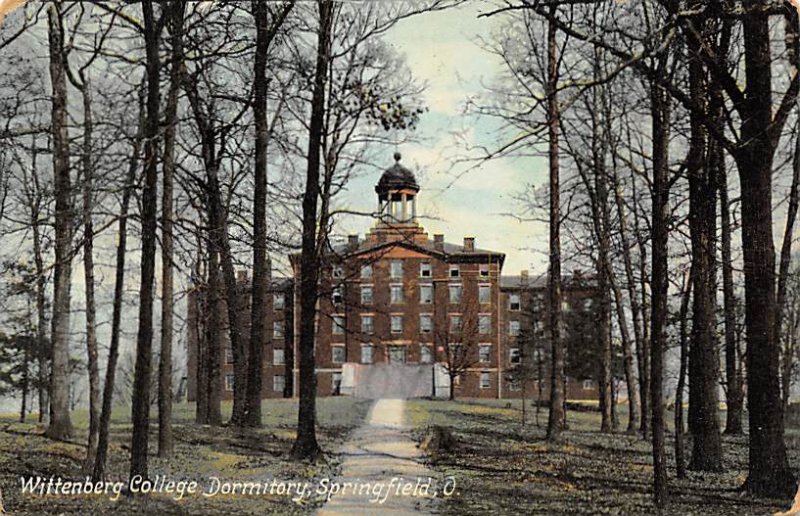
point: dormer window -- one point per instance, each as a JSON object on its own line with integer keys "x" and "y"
{"x": 338, "y": 272}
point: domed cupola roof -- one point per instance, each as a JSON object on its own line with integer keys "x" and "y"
{"x": 396, "y": 177}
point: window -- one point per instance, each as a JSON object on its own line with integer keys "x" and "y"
{"x": 278, "y": 357}
{"x": 397, "y": 324}
{"x": 514, "y": 356}
{"x": 455, "y": 323}
{"x": 484, "y": 324}
{"x": 337, "y": 354}
{"x": 484, "y": 270}
{"x": 426, "y": 294}
{"x": 485, "y": 352}
{"x": 278, "y": 301}
{"x": 338, "y": 324}
{"x": 228, "y": 382}
{"x": 396, "y": 296}
{"x": 366, "y": 271}
{"x": 337, "y": 297}
{"x": 367, "y": 324}
{"x": 278, "y": 383}
{"x": 486, "y": 380}
{"x": 587, "y": 385}
{"x": 338, "y": 272}
{"x": 513, "y": 328}
{"x": 455, "y": 293}
{"x": 277, "y": 329}
{"x": 425, "y": 270}
{"x": 457, "y": 381}
{"x": 228, "y": 355}
{"x": 565, "y": 306}
{"x": 396, "y": 269}
{"x": 455, "y": 272}
{"x": 336, "y": 383}
{"x": 425, "y": 355}
{"x": 366, "y": 295}
{"x": 425, "y": 323}
{"x": 513, "y": 302}
{"x": 587, "y": 303}
{"x": 484, "y": 293}
{"x": 366, "y": 353}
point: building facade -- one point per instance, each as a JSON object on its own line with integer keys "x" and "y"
{"x": 402, "y": 313}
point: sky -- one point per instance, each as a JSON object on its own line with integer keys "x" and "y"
{"x": 442, "y": 51}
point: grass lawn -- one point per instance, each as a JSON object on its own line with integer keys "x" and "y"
{"x": 503, "y": 467}
{"x": 200, "y": 452}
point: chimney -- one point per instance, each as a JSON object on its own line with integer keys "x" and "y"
{"x": 438, "y": 241}
{"x": 352, "y": 242}
{"x": 241, "y": 276}
{"x": 469, "y": 244}
{"x": 523, "y": 276}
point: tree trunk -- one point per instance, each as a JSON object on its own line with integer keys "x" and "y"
{"x": 88, "y": 270}
{"x": 196, "y": 317}
{"x": 627, "y": 359}
{"x": 557, "y": 416}
{"x": 176, "y": 14}
{"x": 660, "y": 286}
{"x": 793, "y": 51}
{"x": 213, "y": 334}
{"x": 640, "y": 395}
{"x": 60, "y": 426}
{"x": 734, "y": 394}
{"x": 41, "y": 291}
{"x": 260, "y": 279}
{"x": 305, "y": 446}
{"x": 603, "y": 285}
{"x": 680, "y": 460}
{"x": 220, "y": 249}
{"x": 787, "y": 356}
{"x": 769, "y": 472}
{"x": 119, "y": 285}
{"x": 25, "y": 381}
{"x": 640, "y": 309}
{"x": 144, "y": 338}
{"x": 703, "y": 359}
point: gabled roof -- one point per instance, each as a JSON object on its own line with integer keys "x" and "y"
{"x": 446, "y": 251}
{"x": 572, "y": 281}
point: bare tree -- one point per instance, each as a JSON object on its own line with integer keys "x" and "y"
{"x": 176, "y": 14}
{"x": 144, "y": 338}
{"x": 557, "y": 417}
{"x": 265, "y": 33}
{"x": 305, "y": 446}
{"x": 60, "y": 426}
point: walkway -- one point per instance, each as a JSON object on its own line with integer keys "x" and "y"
{"x": 379, "y": 451}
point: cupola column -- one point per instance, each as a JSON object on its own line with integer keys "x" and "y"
{"x": 403, "y": 202}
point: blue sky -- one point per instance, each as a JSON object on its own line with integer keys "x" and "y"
{"x": 443, "y": 52}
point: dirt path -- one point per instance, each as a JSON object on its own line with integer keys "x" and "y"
{"x": 380, "y": 459}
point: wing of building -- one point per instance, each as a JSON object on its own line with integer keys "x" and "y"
{"x": 402, "y": 313}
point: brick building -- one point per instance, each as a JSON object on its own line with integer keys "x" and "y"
{"x": 398, "y": 310}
